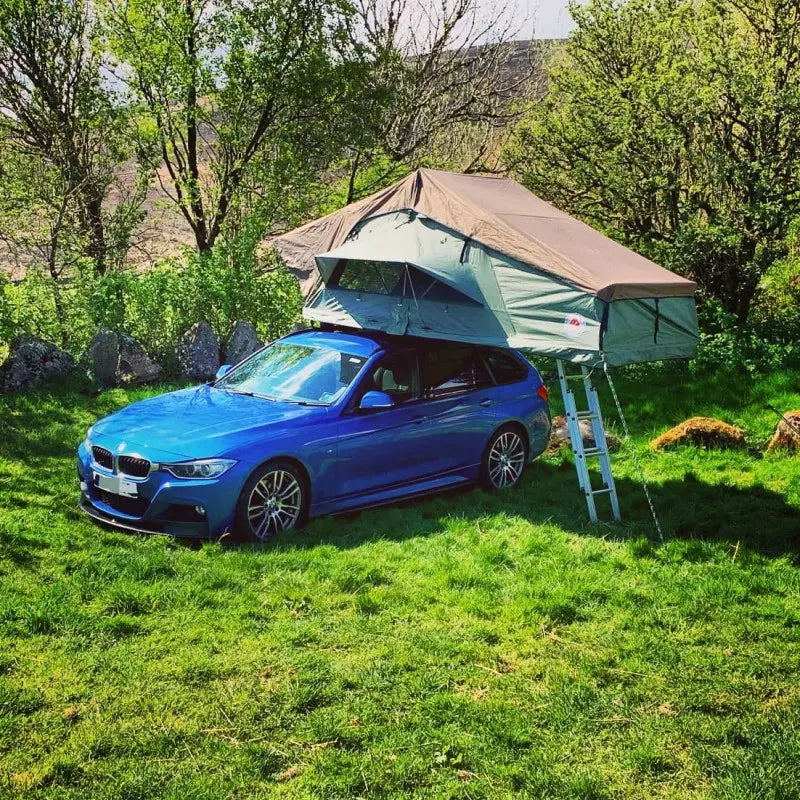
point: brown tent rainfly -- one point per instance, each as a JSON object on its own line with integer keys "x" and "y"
{"x": 480, "y": 259}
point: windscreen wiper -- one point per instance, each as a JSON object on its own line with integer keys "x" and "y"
{"x": 238, "y": 391}
{"x": 303, "y": 402}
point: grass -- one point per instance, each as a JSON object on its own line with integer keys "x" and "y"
{"x": 465, "y": 646}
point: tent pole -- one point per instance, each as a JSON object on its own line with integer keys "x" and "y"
{"x": 581, "y": 453}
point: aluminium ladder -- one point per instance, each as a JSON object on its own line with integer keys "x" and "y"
{"x": 581, "y": 453}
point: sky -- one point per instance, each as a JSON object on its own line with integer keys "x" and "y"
{"x": 544, "y": 19}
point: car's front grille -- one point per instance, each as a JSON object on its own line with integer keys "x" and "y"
{"x": 135, "y": 467}
{"x": 134, "y": 506}
{"x": 103, "y": 457}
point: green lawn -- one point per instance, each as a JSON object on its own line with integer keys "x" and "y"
{"x": 463, "y": 646}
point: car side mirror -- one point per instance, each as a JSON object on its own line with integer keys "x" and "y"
{"x": 223, "y": 370}
{"x": 372, "y": 401}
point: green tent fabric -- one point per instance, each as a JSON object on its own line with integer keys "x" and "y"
{"x": 465, "y": 258}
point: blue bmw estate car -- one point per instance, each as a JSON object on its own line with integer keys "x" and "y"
{"x": 321, "y": 421}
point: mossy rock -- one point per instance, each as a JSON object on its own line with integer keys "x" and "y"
{"x": 559, "y": 435}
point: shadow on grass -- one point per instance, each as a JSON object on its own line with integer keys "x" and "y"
{"x": 43, "y": 430}
{"x": 754, "y": 518}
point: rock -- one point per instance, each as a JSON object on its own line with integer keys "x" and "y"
{"x": 198, "y": 353}
{"x": 134, "y": 365}
{"x": 117, "y": 358}
{"x": 102, "y": 356}
{"x": 31, "y": 361}
{"x": 242, "y": 343}
{"x": 703, "y": 432}
{"x": 559, "y": 434}
{"x": 787, "y": 434}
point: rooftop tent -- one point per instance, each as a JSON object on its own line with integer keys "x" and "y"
{"x": 478, "y": 258}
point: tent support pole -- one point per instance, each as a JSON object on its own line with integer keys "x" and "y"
{"x": 581, "y": 453}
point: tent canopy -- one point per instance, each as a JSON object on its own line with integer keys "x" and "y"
{"x": 480, "y": 259}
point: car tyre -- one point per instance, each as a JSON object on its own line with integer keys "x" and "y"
{"x": 273, "y": 500}
{"x": 504, "y": 459}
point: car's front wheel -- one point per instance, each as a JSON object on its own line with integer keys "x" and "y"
{"x": 504, "y": 458}
{"x": 274, "y": 499}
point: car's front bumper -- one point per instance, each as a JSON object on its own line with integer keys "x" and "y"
{"x": 164, "y": 504}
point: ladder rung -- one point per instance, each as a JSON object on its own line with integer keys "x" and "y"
{"x": 594, "y": 451}
{"x": 591, "y": 413}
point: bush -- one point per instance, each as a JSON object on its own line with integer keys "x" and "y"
{"x": 776, "y": 310}
{"x": 752, "y": 349}
{"x": 232, "y": 282}
{"x": 54, "y": 311}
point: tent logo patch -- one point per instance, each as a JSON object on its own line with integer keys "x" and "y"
{"x": 574, "y": 325}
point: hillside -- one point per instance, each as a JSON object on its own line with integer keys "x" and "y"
{"x": 164, "y": 231}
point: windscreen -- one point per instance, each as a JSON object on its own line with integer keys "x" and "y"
{"x": 295, "y": 373}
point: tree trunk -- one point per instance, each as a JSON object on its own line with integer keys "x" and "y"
{"x": 204, "y": 245}
{"x": 351, "y": 185}
{"x": 744, "y": 301}
{"x": 55, "y": 275}
{"x": 195, "y": 198}
{"x": 96, "y": 249}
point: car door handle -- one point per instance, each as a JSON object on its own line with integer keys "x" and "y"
{"x": 485, "y": 402}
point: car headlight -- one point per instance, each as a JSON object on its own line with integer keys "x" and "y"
{"x": 203, "y": 468}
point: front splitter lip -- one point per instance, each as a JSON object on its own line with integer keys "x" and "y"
{"x": 126, "y": 525}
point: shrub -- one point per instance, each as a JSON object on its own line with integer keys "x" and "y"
{"x": 55, "y": 311}
{"x": 233, "y": 281}
{"x": 6, "y": 319}
{"x": 754, "y": 349}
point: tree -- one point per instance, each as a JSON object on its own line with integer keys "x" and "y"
{"x": 237, "y": 91}
{"x": 672, "y": 124}
{"x": 58, "y": 121}
{"x": 37, "y": 220}
{"x": 452, "y": 79}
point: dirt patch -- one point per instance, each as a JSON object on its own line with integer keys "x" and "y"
{"x": 787, "y": 434}
{"x": 702, "y": 432}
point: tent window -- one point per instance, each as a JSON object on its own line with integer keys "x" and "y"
{"x": 395, "y": 279}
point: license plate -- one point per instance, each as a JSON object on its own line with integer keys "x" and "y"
{"x": 115, "y": 484}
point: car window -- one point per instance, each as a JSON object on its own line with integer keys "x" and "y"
{"x": 504, "y": 367}
{"x": 450, "y": 369}
{"x": 295, "y": 373}
{"x": 397, "y": 376}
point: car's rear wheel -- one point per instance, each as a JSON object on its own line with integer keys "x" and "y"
{"x": 504, "y": 459}
{"x": 274, "y": 500}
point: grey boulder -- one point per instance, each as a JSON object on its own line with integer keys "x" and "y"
{"x": 198, "y": 353}
{"x": 31, "y": 361}
{"x": 117, "y": 358}
{"x": 242, "y": 342}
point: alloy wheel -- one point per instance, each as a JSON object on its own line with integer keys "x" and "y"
{"x": 274, "y": 504}
{"x": 506, "y": 459}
